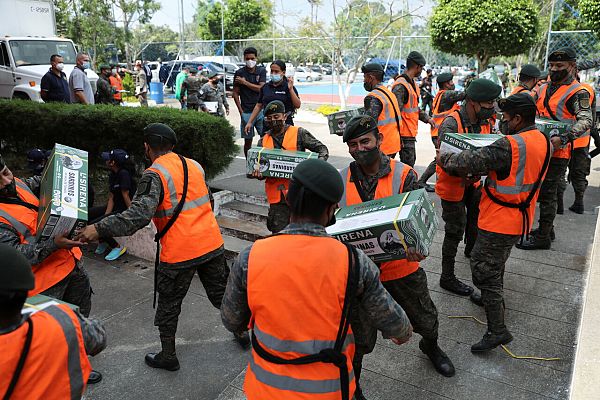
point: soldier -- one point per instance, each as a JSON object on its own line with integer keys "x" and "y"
{"x": 190, "y": 89}
{"x": 190, "y": 239}
{"x": 52, "y": 342}
{"x": 279, "y": 281}
{"x": 445, "y": 101}
{"x": 515, "y": 166}
{"x": 562, "y": 99}
{"x": 213, "y": 91}
{"x": 528, "y": 79}
{"x": 460, "y": 196}
{"x": 141, "y": 84}
{"x": 407, "y": 94}
{"x": 104, "y": 91}
{"x": 373, "y": 175}
{"x": 279, "y": 135}
{"x": 382, "y": 105}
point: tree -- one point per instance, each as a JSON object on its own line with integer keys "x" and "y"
{"x": 143, "y": 37}
{"x": 134, "y": 11}
{"x": 590, "y": 12}
{"x": 242, "y": 19}
{"x": 484, "y": 28}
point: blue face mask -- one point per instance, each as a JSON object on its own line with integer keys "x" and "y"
{"x": 276, "y": 78}
{"x": 86, "y": 65}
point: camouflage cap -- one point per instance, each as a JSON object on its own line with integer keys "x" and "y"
{"x": 444, "y": 77}
{"x": 358, "y": 126}
{"x": 15, "y": 274}
{"x": 483, "y": 90}
{"x": 372, "y": 67}
{"x": 321, "y": 178}
{"x": 563, "y": 54}
{"x": 530, "y": 70}
{"x": 275, "y": 107}
{"x": 416, "y": 57}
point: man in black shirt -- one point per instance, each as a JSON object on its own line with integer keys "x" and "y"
{"x": 246, "y": 87}
{"x": 54, "y": 86}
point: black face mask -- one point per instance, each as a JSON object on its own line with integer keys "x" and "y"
{"x": 332, "y": 221}
{"x": 557, "y": 76}
{"x": 368, "y": 86}
{"x": 485, "y": 113}
{"x": 9, "y": 190}
{"x": 275, "y": 125}
{"x": 366, "y": 157}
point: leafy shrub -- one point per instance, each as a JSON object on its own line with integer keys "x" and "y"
{"x": 327, "y": 109}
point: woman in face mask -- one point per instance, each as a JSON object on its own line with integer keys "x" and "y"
{"x": 279, "y": 88}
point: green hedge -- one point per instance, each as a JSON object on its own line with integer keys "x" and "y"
{"x": 25, "y": 125}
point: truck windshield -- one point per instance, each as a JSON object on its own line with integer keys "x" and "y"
{"x": 38, "y": 52}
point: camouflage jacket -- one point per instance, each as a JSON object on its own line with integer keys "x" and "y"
{"x": 381, "y": 309}
{"x": 306, "y": 141}
{"x": 214, "y": 94}
{"x": 104, "y": 91}
{"x": 450, "y": 98}
{"x": 449, "y": 124}
{"x": 191, "y": 87}
{"x": 402, "y": 96}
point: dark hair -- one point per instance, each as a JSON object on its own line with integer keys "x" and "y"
{"x": 523, "y": 77}
{"x": 53, "y": 57}
{"x": 250, "y": 50}
{"x": 443, "y": 84}
{"x": 377, "y": 75}
{"x": 410, "y": 63}
{"x": 11, "y": 303}
{"x": 528, "y": 114}
{"x": 158, "y": 142}
{"x": 304, "y": 202}
{"x": 280, "y": 64}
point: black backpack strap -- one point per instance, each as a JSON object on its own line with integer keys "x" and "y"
{"x": 391, "y": 104}
{"x": 354, "y": 175}
{"x": 21, "y": 362}
{"x": 335, "y": 355}
{"x": 176, "y": 212}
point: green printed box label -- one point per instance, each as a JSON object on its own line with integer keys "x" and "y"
{"x": 275, "y": 163}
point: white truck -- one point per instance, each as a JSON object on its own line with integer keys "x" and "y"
{"x": 27, "y": 40}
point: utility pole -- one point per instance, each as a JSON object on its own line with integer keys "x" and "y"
{"x": 181, "y": 30}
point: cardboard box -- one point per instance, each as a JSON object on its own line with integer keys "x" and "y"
{"x": 275, "y": 163}
{"x": 550, "y": 127}
{"x": 39, "y": 302}
{"x": 337, "y": 121}
{"x": 458, "y": 142}
{"x": 63, "y": 193}
{"x": 385, "y": 228}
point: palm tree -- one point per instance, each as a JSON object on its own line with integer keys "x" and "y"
{"x": 314, "y": 6}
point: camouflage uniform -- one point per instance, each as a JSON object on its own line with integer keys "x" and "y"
{"x": 173, "y": 280}
{"x": 378, "y": 309}
{"x": 411, "y": 291}
{"x": 448, "y": 100}
{"x": 460, "y": 217}
{"x": 214, "y": 94}
{"x": 75, "y": 287}
{"x": 279, "y": 213}
{"x": 141, "y": 87}
{"x": 408, "y": 153}
{"x": 104, "y": 91}
{"x": 190, "y": 89}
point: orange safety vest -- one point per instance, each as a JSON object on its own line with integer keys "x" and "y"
{"x": 56, "y": 366}
{"x": 389, "y": 185}
{"x": 558, "y": 109}
{"x": 584, "y": 139}
{"x": 387, "y": 124}
{"x": 117, "y": 83}
{"x": 519, "y": 89}
{"x": 57, "y": 265}
{"x": 448, "y": 187}
{"x": 296, "y": 311}
{"x": 529, "y": 150}
{"x": 195, "y": 232}
{"x": 438, "y": 116}
{"x": 410, "y": 110}
{"x": 276, "y": 187}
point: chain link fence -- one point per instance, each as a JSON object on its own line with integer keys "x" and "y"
{"x": 585, "y": 43}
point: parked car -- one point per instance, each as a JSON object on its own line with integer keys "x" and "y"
{"x": 305, "y": 74}
{"x": 169, "y": 71}
{"x": 316, "y": 68}
{"x": 327, "y": 69}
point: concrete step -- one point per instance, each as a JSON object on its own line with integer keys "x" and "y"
{"x": 245, "y": 211}
{"x": 233, "y": 246}
{"x": 248, "y": 198}
{"x": 246, "y": 230}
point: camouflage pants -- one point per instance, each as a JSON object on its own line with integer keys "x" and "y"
{"x": 460, "y": 218}
{"x": 430, "y": 170}
{"x": 75, "y": 289}
{"x": 487, "y": 264}
{"x": 579, "y": 168}
{"x": 549, "y": 190}
{"x": 408, "y": 154}
{"x": 173, "y": 284}
{"x": 278, "y": 217}
{"x": 412, "y": 294}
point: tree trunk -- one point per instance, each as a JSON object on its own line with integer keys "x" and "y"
{"x": 483, "y": 61}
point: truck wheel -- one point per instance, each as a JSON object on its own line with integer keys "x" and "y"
{"x": 309, "y": 79}
{"x": 20, "y": 96}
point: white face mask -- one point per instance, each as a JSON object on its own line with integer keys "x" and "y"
{"x": 250, "y": 63}
{"x": 114, "y": 71}
{"x": 60, "y": 66}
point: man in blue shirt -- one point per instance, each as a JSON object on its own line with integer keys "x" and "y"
{"x": 54, "y": 86}
{"x": 246, "y": 87}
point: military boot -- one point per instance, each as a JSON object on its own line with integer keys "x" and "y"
{"x": 496, "y": 334}
{"x": 455, "y": 286}
{"x": 540, "y": 241}
{"x": 440, "y": 360}
{"x": 577, "y": 206}
{"x": 243, "y": 339}
{"x": 166, "y": 359}
{"x": 552, "y": 234}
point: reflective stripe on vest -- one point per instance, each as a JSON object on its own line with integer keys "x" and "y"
{"x": 391, "y": 184}
{"x": 438, "y": 116}
{"x": 18, "y": 226}
{"x": 410, "y": 110}
{"x": 519, "y": 89}
{"x": 276, "y": 187}
{"x": 386, "y": 121}
{"x": 519, "y": 186}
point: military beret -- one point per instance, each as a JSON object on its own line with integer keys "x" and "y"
{"x": 530, "y": 70}
{"x": 372, "y": 67}
{"x": 563, "y": 54}
{"x": 321, "y": 178}
{"x": 193, "y": 70}
{"x": 161, "y": 130}
{"x": 15, "y": 274}
{"x": 275, "y": 107}
{"x": 518, "y": 102}
{"x": 213, "y": 74}
{"x": 358, "y": 126}
{"x": 483, "y": 90}
{"x": 444, "y": 77}
{"x": 544, "y": 74}
{"x": 416, "y": 57}
{"x": 103, "y": 66}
